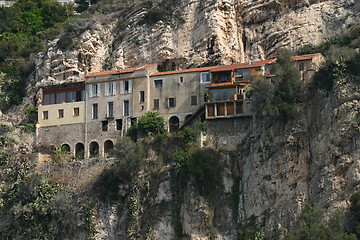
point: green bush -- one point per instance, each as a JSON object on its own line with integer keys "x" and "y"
{"x": 149, "y": 123}
{"x": 312, "y": 225}
{"x": 280, "y": 96}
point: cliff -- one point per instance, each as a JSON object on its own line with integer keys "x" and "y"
{"x": 206, "y": 33}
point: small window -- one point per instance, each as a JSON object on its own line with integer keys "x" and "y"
{"x": 126, "y": 86}
{"x": 45, "y": 115}
{"x": 142, "y": 96}
{"x": 181, "y": 79}
{"x": 156, "y": 103}
{"x": 205, "y": 77}
{"x": 104, "y": 126}
{"x": 110, "y": 110}
{"x": 95, "y": 111}
{"x": 76, "y": 112}
{"x": 172, "y": 102}
{"x": 193, "y": 100}
{"x": 119, "y": 124}
{"x": 60, "y": 113}
{"x": 126, "y": 108}
{"x": 301, "y": 66}
{"x": 95, "y": 90}
{"x": 158, "y": 83}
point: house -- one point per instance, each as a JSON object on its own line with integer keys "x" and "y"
{"x": 61, "y": 117}
{"x": 227, "y": 96}
{"x": 178, "y": 95}
{"x": 110, "y": 105}
{"x": 6, "y": 3}
{"x": 88, "y": 117}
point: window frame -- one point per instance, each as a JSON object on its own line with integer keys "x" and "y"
{"x": 45, "y": 115}
{"x": 61, "y": 113}
{"x": 76, "y": 112}
{"x": 202, "y": 77}
{"x": 156, "y": 83}
{"x": 172, "y": 102}
{"x": 192, "y": 102}
{"x": 95, "y": 114}
{"x": 156, "y": 104}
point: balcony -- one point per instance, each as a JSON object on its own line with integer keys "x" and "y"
{"x": 228, "y": 109}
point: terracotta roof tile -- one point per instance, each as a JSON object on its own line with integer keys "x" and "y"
{"x": 222, "y": 68}
{"x": 203, "y": 69}
{"x": 305, "y": 57}
{"x": 112, "y": 72}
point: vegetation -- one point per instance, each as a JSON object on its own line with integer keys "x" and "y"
{"x": 149, "y": 123}
{"x": 31, "y": 207}
{"x": 312, "y": 225}
{"x": 342, "y": 59}
{"x": 279, "y": 97}
{"x": 163, "y": 10}
{"x": 23, "y": 29}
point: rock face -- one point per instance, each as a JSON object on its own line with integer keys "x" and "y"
{"x": 214, "y": 31}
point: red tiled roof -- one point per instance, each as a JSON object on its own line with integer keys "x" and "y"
{"x": 305, "y": 57}
{"x": 222, "y": 68}
{"x": 112, "y": 72}
{"x": 203, "y": 69}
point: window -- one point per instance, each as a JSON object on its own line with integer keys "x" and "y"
{"x": 60, "y": 113}
{"x": 158, "y": 83}
{"x": 205, "y": 77}
{"x": 181, "y": 79}
{"x": 142, "y": 96}
{"x": 243, "y": 74}
{"x": 301, "y": 66}
{"x": 45, "y": 115}
{"x": 172, "y": 102}
{"x": 94, "y": 90}
{"x": 95, "y": 111}
{"x": 110, "y": 110}
{"x": 60, "y": 97}
{"x": 110, "y": 89}
{"x": 104, "y": 126}
{"x": 193, "y": 100}
{"x": 125, "y": 87}
{"x": 119, "y": 124}
{"x": 156, "y": 103}
{"x": 76, "y": 112}
{"x": 126, "y": 108}
{"x": 71, "y": 96}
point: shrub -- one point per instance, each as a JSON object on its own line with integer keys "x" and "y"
{"x": 279, "y": 97}
{"x": 150, "y": 122}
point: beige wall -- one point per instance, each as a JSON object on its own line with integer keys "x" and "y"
{"x": 181, "y": 91}
{"x": 69, "y": 118}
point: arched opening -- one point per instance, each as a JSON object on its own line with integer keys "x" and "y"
{"x": 174, "y": 124}
{"x": 94, "y": 150}
{"x": 187, "y": 117}
{"x": 108, "y": 148}
{"x": 66, "y": 147}
{"x": 80, "y": 150}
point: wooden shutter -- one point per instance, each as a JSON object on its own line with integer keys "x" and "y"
{"x": 90, "y": 90}
{"x": 130, "y": 86}
{"x": 122, "y": 90}
{"x": 107, "y": 86}
{"x": 98, "y": 89}
{"x": 114, "y": 88}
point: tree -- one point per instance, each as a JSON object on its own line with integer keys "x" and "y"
{"x": 150, "y": 122}
{"x": 280, "y": 96}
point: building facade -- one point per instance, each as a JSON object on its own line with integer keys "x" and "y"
{"x": 88, "y": 117}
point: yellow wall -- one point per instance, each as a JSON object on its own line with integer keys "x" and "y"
{"x": 68, "y": 118}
